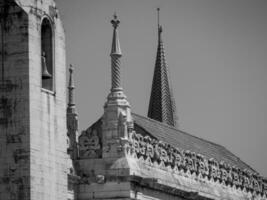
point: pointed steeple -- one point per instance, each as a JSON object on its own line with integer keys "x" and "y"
{"x": 72, "y": 119}
{"x": 162, "y": 105}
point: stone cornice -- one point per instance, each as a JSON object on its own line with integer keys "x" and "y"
{"x": 166, "y": 157}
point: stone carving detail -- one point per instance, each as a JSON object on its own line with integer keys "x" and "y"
{"x": 90, "y": 144}
{"x": 152, "y": 151}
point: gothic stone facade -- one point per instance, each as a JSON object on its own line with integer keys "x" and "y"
{"x": 121, "y": 156}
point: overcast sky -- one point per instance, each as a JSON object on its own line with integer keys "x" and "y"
{"x": 216, "y": 51}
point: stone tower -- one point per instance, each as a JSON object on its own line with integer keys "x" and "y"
{"x": 33, "y": 135}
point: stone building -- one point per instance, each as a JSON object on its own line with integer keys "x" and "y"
{"x": 122, "y": 155}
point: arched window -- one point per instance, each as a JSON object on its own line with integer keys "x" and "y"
{"x": 47, "y": 54}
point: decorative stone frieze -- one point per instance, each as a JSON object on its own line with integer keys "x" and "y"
{"x": 161, "y": 154}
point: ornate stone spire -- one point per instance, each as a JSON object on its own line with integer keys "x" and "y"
{"x": 72, "y": 118}
{"x": 115, "y": 56}
{"x": 162, "y": 105}
{"x": 117, "y": 119}
{"x": 116, "y": 95}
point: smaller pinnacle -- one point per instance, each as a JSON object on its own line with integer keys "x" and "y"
{"x": 71, "y": 88}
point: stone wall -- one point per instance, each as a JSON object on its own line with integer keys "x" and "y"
{"x": 14, "y": 104}
{"x": 33, "y": 149}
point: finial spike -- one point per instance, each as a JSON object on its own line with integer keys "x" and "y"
{"x": 159, "y": 26}
{"x": 158, "y": 9}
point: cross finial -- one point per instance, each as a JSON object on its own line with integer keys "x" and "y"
{"x": 115, "y": 22}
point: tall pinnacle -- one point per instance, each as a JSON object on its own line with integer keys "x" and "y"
{"x": 72, "y": 119}
{"x": 116, "y": 95}
{"x": 162, "y": 105}
{"x": 71, "y": 87}
{"x": 115, "y": 56}
{"x": 117, "y": 120}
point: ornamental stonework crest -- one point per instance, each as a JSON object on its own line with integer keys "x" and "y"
{"x": 90, "y": 143}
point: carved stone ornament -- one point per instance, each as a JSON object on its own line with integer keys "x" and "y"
{"x": 89, "y": 144}
{"x": 153, "y": 151}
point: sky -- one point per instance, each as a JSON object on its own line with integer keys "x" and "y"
{"x": 216, "y": 53}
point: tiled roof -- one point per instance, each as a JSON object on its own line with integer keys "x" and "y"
{"x": 186, "y": 141}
